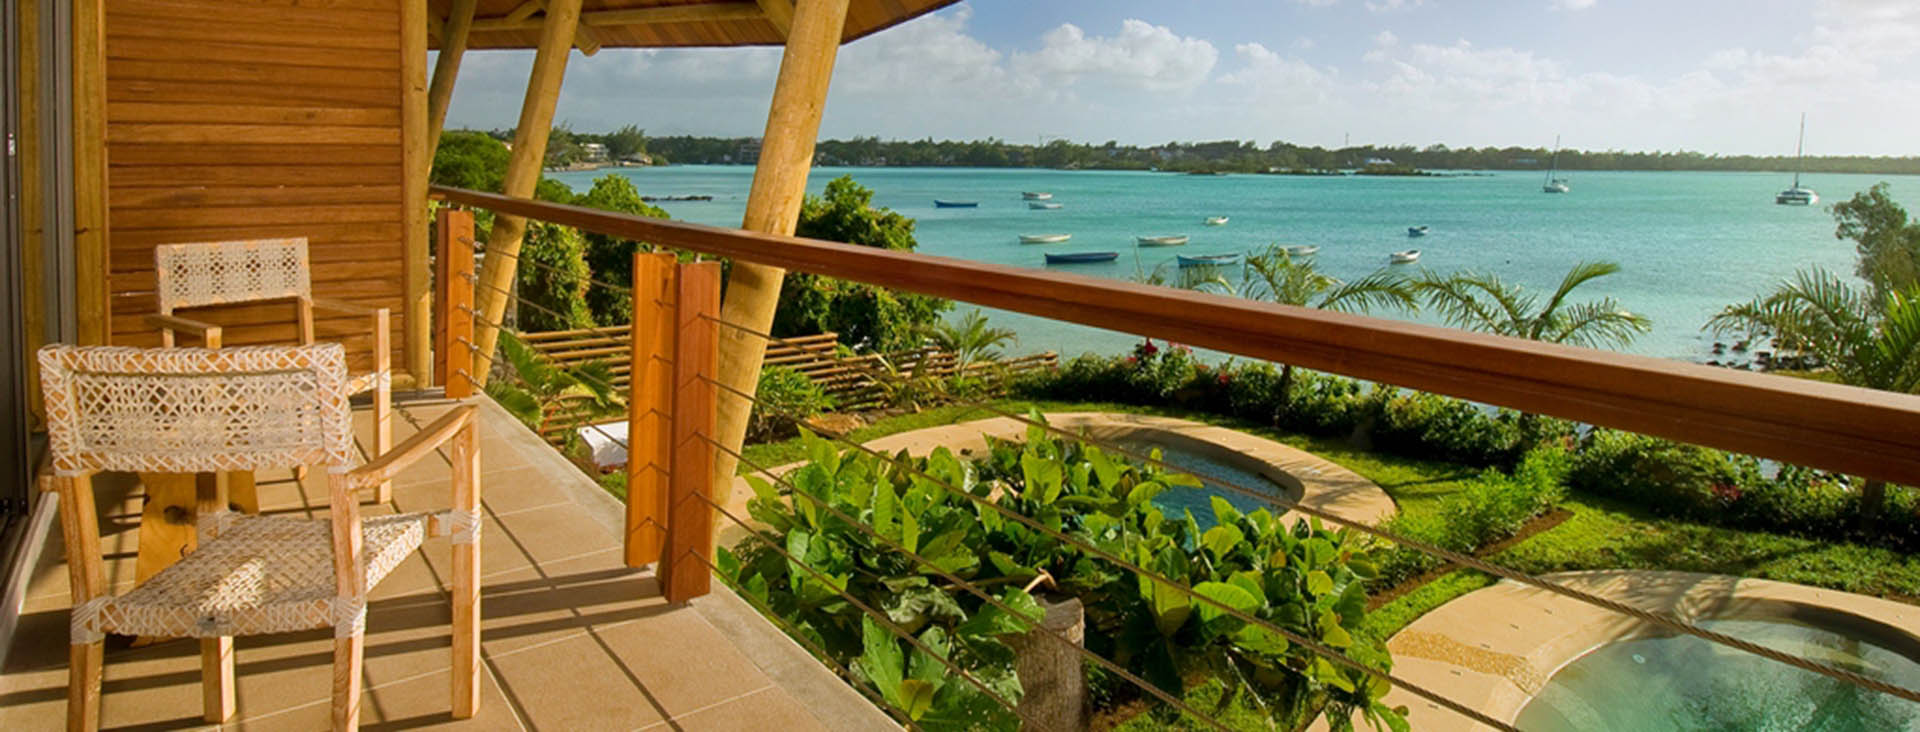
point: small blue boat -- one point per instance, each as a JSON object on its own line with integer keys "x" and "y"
{"x": 1208, "y": 260}
{"x": 1416, "y": 231}
{"x": 1082, "y": 257}
{"x": 937, "y": 203}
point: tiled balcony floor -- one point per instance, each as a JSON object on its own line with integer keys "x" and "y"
{"x": 572, "y": 639}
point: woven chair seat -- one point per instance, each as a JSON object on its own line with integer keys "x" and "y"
{"x": 258, "y": 575}
{"x": 362, "y": 383}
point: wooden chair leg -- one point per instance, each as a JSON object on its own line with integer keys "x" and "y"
{"x": 216, "y": 677}
{"x": 466, "y": 630}
{"x": 83, "y": 686}
{"x": 346, "y": 682}
{"x": 243, "y": 494}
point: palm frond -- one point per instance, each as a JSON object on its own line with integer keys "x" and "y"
{"x": 1598, "y": 324}
{"x": 1378, "y": 290}
{"x": 1581, "y": 274}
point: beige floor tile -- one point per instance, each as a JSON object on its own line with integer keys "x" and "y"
{"x": 424, "y": 701}
{"x": 769, "y": 708}
{"x": 502, "y": 492}
{"x": 561, "y": 600}
{"x": 677, "y": 654}
{"x": 575, "y": 684}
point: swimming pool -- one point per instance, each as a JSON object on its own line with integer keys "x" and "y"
{"x": 1178, "y": 499}
{"x": 1686, "y": 683}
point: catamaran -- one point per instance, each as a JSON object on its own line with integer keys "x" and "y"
{"x": 1797, "y": 195}
{"x": 1555, "y": 185}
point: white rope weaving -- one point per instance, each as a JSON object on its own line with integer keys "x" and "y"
{"x": 84, "y": 621}
{"x": 211, "y": 273}
{"x": 349, "y": 616}
{"x": 463, "y": 527}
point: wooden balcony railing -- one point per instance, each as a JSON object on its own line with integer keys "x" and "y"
{"x": 1871, "y": 434}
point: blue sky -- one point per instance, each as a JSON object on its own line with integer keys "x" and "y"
{"x": 1713, "y": 75}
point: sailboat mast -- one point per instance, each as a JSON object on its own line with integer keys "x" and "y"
{"x": 1800, "y": 151}
{"x": 1553, "y": 163}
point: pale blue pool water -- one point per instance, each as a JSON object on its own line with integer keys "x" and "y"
{"x": 1178, "y": 499}
{"x": 1685, "y": 683}
{"x": 1691, "y": 242}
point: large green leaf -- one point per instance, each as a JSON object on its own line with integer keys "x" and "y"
{"x": 1214, "y": 621}
{"x": 1221, "y": 540}
{"x": 880, "y": 660}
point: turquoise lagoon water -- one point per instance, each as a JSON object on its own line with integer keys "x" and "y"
{"x": 1685, "y": 683}
{"x": 1691, "y": 243}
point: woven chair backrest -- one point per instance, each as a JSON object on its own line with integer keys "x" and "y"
{"x": 219, "y": 272}
{"x": 194, "y": 410}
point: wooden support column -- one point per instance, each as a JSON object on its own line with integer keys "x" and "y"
{"x": 90, "y": 171}
{"x": 453, "y": 302}
{"x": 446, "y": 68}
{"x": 33, "y": 222}
{"x": 523, "y": 172}
{"x": 417, "y": 159}
{"x": 773, "y": 206}
{"x": 684, "y": 570}
{"x": 649, "y": 407}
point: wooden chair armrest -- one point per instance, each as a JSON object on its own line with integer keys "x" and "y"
{"x": 342, "y": 306}
{"x": 208, "y": 332}
{"x": 422, "y": 443}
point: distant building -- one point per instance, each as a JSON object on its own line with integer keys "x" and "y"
{"x": 1381, "y": 162}
{"x": 748, "y": 153}
{"x": 593, "y": 152}
{"x": 1526, "y": 161}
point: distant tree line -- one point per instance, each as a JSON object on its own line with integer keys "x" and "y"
{"x": 1248, "y": 157}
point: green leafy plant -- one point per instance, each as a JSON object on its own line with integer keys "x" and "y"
{"x": 1483, "y": 302}
{"x": 784, "y": 398}
{"x": 969, "y": 340}
{"x": 541, "y": 389}
{"x": 865, "y": 316}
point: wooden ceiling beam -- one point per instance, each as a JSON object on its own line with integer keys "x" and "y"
{"x": 707, "y": 12}
{"x": 779, "y": 13}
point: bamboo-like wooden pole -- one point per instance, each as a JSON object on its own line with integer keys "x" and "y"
{"x": 90, "y": 170}
{"x": 523, "y": 172}
{"x": 416, "y": 154}
{"x": 773, "y": 206}
{"x": 446, "y": 69}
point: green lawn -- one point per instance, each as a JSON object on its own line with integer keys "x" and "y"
{"x": 1601, "y": 534}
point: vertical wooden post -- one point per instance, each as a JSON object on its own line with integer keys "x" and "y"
{"x": 649, "y": 406}
{"x": 684, "y": 573}
{"x": 523, "y": 172}
{"x": 33, "y": 276}
{"x": 446, "y": 67}
{"x": 466, "y": 573}
{"x": 90, "y": 171}
{"x": 453, "y": 301}
{"x": 417, "y": 158}
{"x": 773, "y": 206}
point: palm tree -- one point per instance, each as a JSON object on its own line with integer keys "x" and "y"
{"x": 1274, "y": 276}
{"x": 1820, "y": 315}
{"x": 1482, "y": 302}
{"x": 969, "y": 340}
{"x": 543, "y": 390}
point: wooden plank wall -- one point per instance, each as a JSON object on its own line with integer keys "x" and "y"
{"x": 245, "y": 119}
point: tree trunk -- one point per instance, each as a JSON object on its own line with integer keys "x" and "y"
{"x": 1873, "y": 500}
{"x": 1286, "y": 394}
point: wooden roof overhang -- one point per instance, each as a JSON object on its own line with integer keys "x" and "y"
{"x": 515, "y": 24}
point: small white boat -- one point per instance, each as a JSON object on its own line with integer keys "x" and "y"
{"x": 1216, "y": 221}
{"x": 1302, "y": 250}
{"x": 1798, "y": 195}
{"x": 1417, "y": 231}
{"x": 1042, "y": 205}
{"x": 1044, "y": 238}
{"x": 1170, "y": 240}
{"x": 1555, "y": 184}
{"x": 1403, "y": 257}
{"x": 1036, "y": 195}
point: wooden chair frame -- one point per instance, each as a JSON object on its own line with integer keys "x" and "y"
{"x": 71, "y": 465}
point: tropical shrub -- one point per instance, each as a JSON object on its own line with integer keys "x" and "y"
{"x": 1493, "y": 507}
{"x": 540, "y": 388}
{"x": 783, "y": 399}
{"x": 1302, "y": 578}
{"x": 865, "y": 316}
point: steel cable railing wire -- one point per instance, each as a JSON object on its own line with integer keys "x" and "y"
{"x": 877, "y": 616}
{"x": 1313, "y": 646}
{"x": 471, "y": 347}
{"x": 1657, "y": 619}
{"x": 970, "y": 588}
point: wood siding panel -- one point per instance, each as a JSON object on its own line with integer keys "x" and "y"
{"x": 251, "y": 119}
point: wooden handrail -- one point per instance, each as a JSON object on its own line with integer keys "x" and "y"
{"x": 1873, "y": 434}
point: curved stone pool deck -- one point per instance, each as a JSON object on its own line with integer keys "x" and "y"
{"x": 1320, "y": 483}
{"x": 1493, "y": 649}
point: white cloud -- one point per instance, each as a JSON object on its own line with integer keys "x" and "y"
{"x": 1388, "y": 6}
{"x": 1143, "y": 55}
{"x": 1572, "y": 4}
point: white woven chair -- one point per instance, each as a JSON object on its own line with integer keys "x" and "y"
{"x": 229, "y": 272}
{"x": 182, "y": 410}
